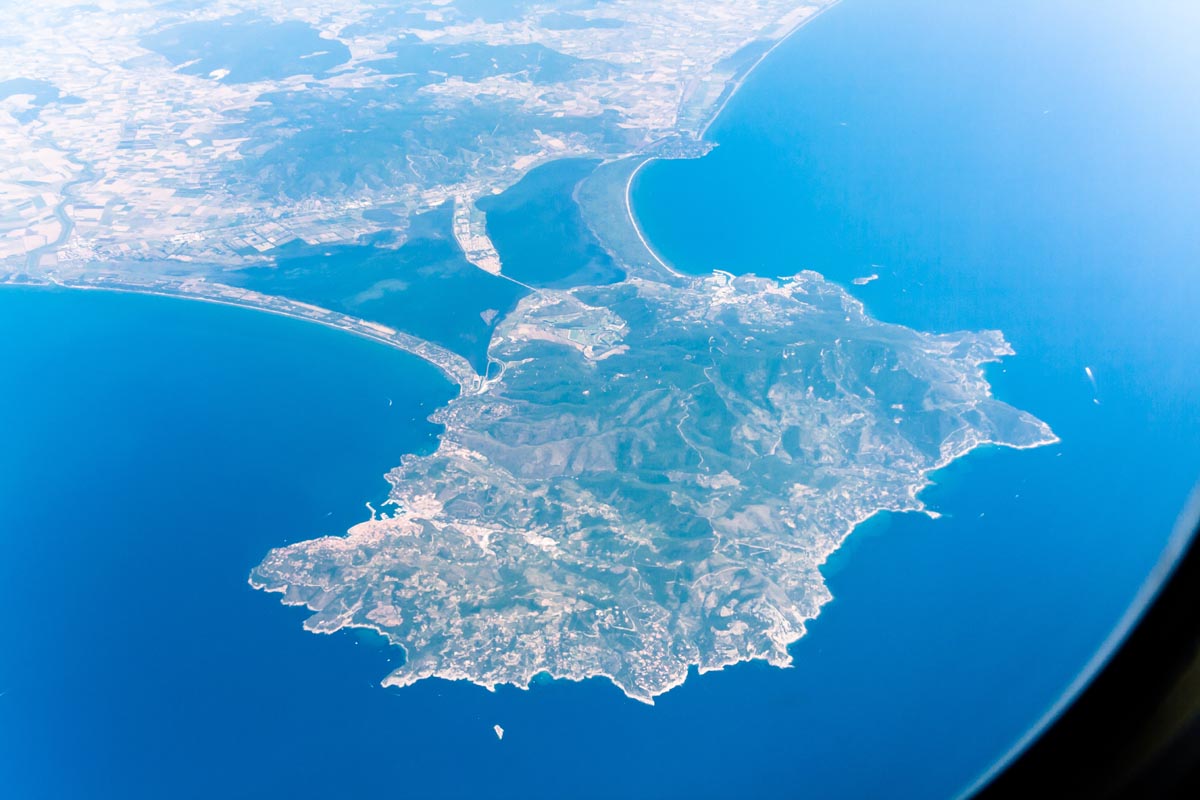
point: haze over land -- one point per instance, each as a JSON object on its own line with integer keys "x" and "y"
{"x": 637, "y": 477}
{"x": 161, "y": 139}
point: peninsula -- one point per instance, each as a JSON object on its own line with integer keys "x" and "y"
{"x": 641, "y": 474}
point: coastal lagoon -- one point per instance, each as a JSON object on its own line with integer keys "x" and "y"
{"x": 155, "y": 449}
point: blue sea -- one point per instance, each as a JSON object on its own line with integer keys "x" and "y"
{"x": 1023, "y": 166}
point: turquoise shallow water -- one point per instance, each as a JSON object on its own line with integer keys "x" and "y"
{"x": 154, "y": 449}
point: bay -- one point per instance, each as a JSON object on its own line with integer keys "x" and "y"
{"x": 1022, "y": 166}
{"x": 153, "y": 450}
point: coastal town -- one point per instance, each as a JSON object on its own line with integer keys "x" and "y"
{"x": 126, "y": 153}
{"x": 637, "y": 477}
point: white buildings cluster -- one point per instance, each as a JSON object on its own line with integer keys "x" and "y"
{"x": 141, "y": 168}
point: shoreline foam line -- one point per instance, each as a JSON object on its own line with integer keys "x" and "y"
{"x": 637, "y": 227}
{"x": 737, "y": 83}
{"x": 379, "y": 338}
{"x": 735, "y": 86}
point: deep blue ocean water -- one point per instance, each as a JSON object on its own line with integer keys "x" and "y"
{"x": 1023, "y": 166}
{"x": 152, "y": 450}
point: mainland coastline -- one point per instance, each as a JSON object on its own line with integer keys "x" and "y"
{"x": 732, "y": 88}
{"x": 98, "y": 277}
{"x": 463, "y": 375}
